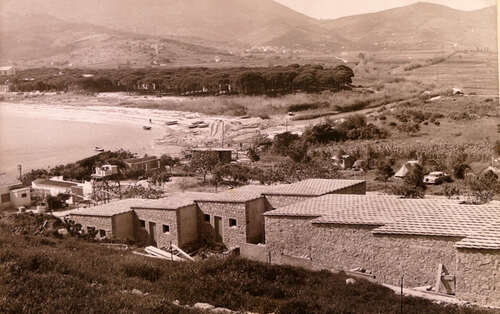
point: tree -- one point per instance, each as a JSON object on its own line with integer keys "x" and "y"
{"x": 413, "y": 184}
{"x": 252, "y": 154}
{"x": 205, "y": 163}
{"x": 167, "y": 160}
{"x": 283, "y": 141}
{"x": 384, "y": 171}
{"x": 482, "y": 188}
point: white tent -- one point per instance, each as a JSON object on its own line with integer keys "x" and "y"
{"x": 405, "y": 169}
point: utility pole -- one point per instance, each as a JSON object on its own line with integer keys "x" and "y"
{"x": 223, "y": 134}
{"x": 20, "y": 168}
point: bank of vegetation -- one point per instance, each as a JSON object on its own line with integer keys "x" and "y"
{"x": 188, "y": 81}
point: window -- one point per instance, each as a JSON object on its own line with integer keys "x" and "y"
{"x": 166, "y": 228}
{"x": 232, "y": 222}
{"x": 5, "y": 198}
{"x": 207, "y": 218}
{"x": 142, "y": 223}
{"x": 102, "y": 233}
{"x": 24, "y": 195}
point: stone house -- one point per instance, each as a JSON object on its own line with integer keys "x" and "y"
{"x": 233, "y": 217}
{"x": 12, "y": 193}
{"x": 440, "y": 243}
{"x": 144, "y": 163}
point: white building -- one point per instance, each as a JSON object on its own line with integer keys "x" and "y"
{"x": 13, "y": 194}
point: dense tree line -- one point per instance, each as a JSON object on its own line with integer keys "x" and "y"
{"x": 187, "y": 81}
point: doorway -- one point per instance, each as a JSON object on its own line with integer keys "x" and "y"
{"x": 152, "y": 233}
{"x": 218, "y": 228}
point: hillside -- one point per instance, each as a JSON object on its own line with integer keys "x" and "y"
{"x": 38, "y": 39}
{"x": 420, "y": 26}
{"x": 43, "y": 273}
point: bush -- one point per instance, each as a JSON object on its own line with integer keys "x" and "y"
{"x": 142, "y": 270}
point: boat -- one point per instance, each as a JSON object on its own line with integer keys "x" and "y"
{"x": 98, "y": 149}
{"x": 171, "y": 122}
{"x": 198, "y": 122}
{"x": 146, "y": 127}
{"x": 193, "y": 126}
{"x": 203, "y": 125}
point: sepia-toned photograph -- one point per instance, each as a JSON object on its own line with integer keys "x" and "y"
{"x": 249, "y": 156}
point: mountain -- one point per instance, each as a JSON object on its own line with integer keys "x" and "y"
{"x": 421, "y": 25}
{"x": 34, "y": 40}
{"x": 249, "y": 22}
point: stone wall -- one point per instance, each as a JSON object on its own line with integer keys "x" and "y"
{"x": 123, "y": 226}
{"x": 255, "y": 227}
{"x": 278, "y": 201}
{"x": 341, "y": 247}
{"x": 478, "y": 276}
{"x": 231, "y": 236}
{"x": 254, "y": 252}
{"x": 187, "y": 223}
{"x": 160, "y": 217}
{"x": 97, "y": 222}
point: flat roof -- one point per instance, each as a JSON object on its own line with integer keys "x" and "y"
{"x": 207, "y": 149}
{"x": 312, "y": 187}
{"x": 64, "y": 184}
{"x": 478, "y": 225}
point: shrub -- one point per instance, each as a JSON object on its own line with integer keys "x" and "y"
{"x": 142, "y": 270}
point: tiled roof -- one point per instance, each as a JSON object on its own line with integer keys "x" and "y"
{"x": 487, "y": 238}
{"x": 478, "y": 225}
{"x": 311, "y": 187}
{"x": 237, "y": 195}
{"x": 107, "y": 210}
{"x": 6, "y": 180}
{"x": 64, "y": 184}
{"x": 172, "y": 201}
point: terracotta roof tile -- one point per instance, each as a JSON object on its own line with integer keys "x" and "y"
{"x": 238, "y": 195}
{"x": 107, "y": 210}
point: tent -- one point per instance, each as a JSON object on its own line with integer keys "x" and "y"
{"x": 405, "y": 169}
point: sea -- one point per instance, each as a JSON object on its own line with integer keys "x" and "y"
{"x": 42, "y": 136}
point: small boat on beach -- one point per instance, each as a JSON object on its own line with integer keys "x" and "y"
{"x": 203, "y": 125}
{"x": 146, "y": 127}
{"x": 193, "y": 126}
{"x": 98, "y": 149}
{"x": 174, "y": 122}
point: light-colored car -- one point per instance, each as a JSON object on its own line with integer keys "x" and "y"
{"x": 436, "y": 177}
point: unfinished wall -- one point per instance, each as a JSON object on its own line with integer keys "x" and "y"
{"x": 160, "y": 217}
{"x": 255, "y": 252}
{"x": 97, "y": 222}
{"x": 255, "y": 227}
{"x": 187, "y": 224}
{"x": 123, "y": 226}
{"x": 231, "y": 236}
{"x": 478, "y": 276}
{"x": 278, "y": 201}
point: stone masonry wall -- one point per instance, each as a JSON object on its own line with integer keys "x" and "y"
{"x": 478, "y": 276}
{"x": 338, "y": 247}
{"x": 160, "y": 218}
{"x": 231, "y": 236}
{"x": 278, "y": 201}
{"x": 99, "y": 223}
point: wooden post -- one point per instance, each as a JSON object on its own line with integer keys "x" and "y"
{"x": 402, "y": 280}
{"x": 171, "y": 252}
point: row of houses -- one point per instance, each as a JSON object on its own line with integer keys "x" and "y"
{"x": 327, "y": 224}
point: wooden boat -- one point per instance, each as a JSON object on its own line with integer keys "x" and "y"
{"x": 193, "y": 126}
{"x": 171, "y": 122}
{"x": 198, "y": 122}
{"x": 203, "y": 125}
{"x": 98, "y": 149}
{"x": 146, "y": 127}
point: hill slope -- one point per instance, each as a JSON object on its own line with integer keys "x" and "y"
{"x": 420, "y": 26}
{"x": 39, "y": 39}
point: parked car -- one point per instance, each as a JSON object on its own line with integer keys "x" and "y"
{"x": 436, "y": 177}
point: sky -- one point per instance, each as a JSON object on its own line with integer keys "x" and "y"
{"x": 328, "y": 9}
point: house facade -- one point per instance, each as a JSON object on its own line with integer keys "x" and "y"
{"x": 7, "y": 70}
{"x": 144, "y": 163}
{"x": 52, "y": 187}
{"x": 13, "y": 194}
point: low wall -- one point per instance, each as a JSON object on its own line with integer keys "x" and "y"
{"x": 254, "y": 252}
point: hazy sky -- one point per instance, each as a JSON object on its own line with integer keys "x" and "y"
{"x": 337, "y": 8}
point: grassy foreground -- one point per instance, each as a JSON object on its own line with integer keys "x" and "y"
{"x": 45, "y": 274}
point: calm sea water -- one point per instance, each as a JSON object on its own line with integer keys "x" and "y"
{"x": 42, "y": 137}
